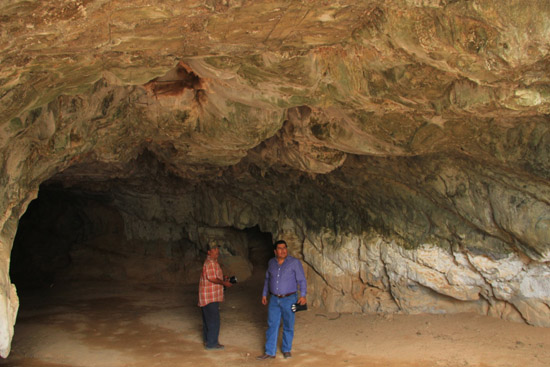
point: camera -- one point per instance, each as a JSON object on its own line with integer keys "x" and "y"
{"x": 233, "y": 280}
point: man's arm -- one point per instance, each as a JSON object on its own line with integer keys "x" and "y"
{"x": 211, "y": 276}
{"x": 302, "y": 283}
{"x": 222, "y": 282}
{"x": 266, "y": 287}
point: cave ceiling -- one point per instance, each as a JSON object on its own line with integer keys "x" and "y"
{"x": 425, "y": 119}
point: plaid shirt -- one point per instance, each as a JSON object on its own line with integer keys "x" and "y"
{"x": 210, "y": 292}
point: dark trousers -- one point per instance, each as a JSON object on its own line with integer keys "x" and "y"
{"x": 211, "y": 324}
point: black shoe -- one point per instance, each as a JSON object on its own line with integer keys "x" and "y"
{"x": 265, "y": 356}
{"x": 287, "y": 355}
{"x": 215, "y": 347}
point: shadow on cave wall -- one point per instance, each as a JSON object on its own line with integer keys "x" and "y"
{"x": 71, "y": 235}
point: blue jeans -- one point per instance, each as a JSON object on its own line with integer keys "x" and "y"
{"x": 280, "y": 307}
{"x": 211, "y": 324}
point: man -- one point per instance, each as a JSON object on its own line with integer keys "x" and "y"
{"x": 210, "y": 295}
{"x": 283, "y": 277}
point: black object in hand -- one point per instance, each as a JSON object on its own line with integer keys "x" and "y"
{"x": 233, "y": 280}
{"x": 297, "y": 307}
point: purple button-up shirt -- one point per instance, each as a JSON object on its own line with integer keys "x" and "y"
{"x": 286, "y": 278}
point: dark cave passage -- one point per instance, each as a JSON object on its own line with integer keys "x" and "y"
{"x": 73, "y": 235}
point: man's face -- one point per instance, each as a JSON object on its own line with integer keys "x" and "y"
{"x": 214, "y": 253}
{"x": 281, "y": 252}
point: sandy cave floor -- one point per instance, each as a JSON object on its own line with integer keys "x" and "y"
{"x": 115, "y": 325}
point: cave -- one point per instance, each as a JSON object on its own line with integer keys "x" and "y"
{"x": 71, "y": 236}
{"x": 401, "y": 148}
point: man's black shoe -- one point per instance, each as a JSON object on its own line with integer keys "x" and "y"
{"x": 215, "y": 347}
{"x": 265, "y": 356}
{"x": 287, "y": 355}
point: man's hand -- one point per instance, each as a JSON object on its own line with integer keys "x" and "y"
{"x": 264, "y": 300}
{"x": 227, "y": 284}
{"x": 301, "y": 301}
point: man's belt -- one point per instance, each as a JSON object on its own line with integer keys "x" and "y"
{"x": 283, "y": 295}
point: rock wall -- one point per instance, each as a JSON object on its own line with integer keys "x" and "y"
{"x": 9, "y": 301}
{"x": 371, "y": 274}
{"x": 367, "y": 271}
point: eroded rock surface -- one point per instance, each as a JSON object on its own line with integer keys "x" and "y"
{"x": 402, "y": 148}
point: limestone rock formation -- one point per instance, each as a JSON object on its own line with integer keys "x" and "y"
{"x": 401, "y": 147}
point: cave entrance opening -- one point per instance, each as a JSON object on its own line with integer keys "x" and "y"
{"x": 83, "y": 285}
{"x": 74, "y": 235}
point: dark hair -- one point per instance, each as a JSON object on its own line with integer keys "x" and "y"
{"x": 278, "y": 243}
